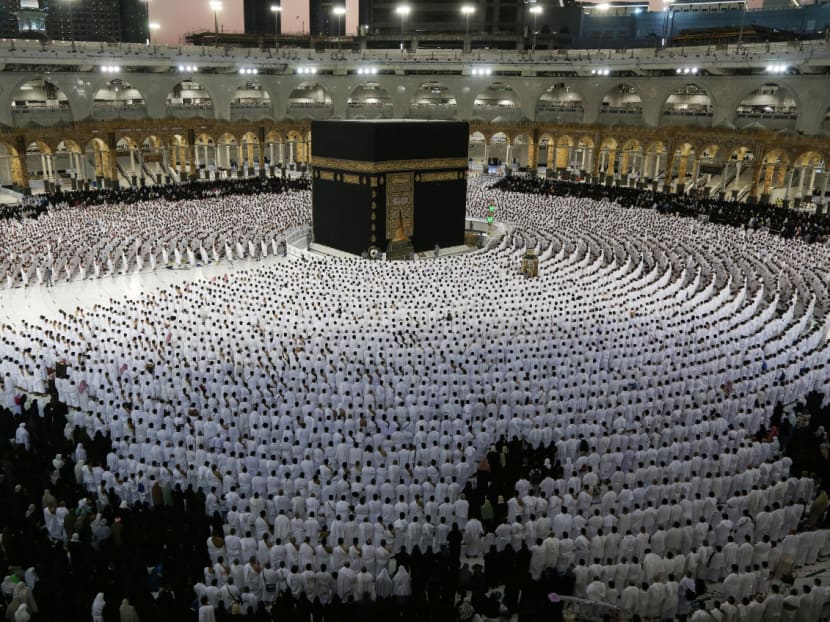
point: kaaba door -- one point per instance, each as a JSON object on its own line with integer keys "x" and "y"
{"x": 400, "y": 207}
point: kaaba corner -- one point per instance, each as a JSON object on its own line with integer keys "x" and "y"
{"x": 396, "y": 185}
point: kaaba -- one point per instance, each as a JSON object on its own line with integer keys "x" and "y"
{"x": 395, "y": 185}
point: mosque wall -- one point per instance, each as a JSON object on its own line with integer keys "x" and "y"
{"x": 124, "y": 149}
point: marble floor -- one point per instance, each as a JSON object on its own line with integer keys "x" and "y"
{"x": 31, "y": 302}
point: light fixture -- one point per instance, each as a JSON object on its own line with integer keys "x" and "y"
{"x": 403, "y": 10}
{"x": 468, "y": 9}
{"x": 604, "y": 6}
{"x": 110, "y": 69}
{"x": 777, "y": 68}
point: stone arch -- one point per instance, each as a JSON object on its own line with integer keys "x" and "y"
{"x": 560, "y": 103}
{"x": 38, "y": 157}
{"x": 769, "y": 105}
{"x": 621, "y": 105}
{"x": 298, "y": 147}
{"x": 251, "y": 101}
{"x": 227, "y": 151}
{"x": 774, "y": 168}
{"x": 433, "y": 100}
{"x": 606, "y": 162}
{"x": 40, "y": 103}
{"x": 585, "y": 154}
{"x": 118, "y": 98}
{"x": 497, "y": 147}
{"x": 69, "y": 157}
{"x": 250, "y": 151}
{"x": 11, "y": 171}
{"x": 801, "y": 183}
{"x": 128, "y": 157}
{"x": 100, "y": 161}
{"x": 709, "y": 153}
{"x": 189, "y": 98}
{"x": 204, "y": 149}
{"x": 179, "y": 158}
{"x": 477, "y": 149}
{"x": 683, "y": 163}
{"x": 655, "y": 160}
{"x": 369, "y": 100}
{"x": 310, "y": 100}
{"x": 274, "y": 145}
{"x": 521, "y": 153}
{"x": 563, "y": 152}
{"x": 545, "y": 149}
{"x": 497, "y": 102}
{"x": 631, "y": 161}
{"x": 153, "y": 158}
{"x": 689, "y": 104}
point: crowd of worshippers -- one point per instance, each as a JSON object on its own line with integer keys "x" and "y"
{"x": 27, "y": 207}
{"x": 95, "y": 241}
{"x": 810, "y": 226}
{"x": 190, "y": 190}
{"x": 630, "y": 376}
{"x": 68, "y": 555}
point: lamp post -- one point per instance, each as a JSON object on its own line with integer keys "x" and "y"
{"x": 339, "y": 11}
{"x": 536, "y": 11}
{"x": 153, "y": 26}
{"x": 466, "y": 11}
{"x": 276, "y": 10}
{"x": 403, "y": 10}
{"x": 216, "y": 6}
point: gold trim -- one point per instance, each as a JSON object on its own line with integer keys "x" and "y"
{"x": 327, "y": 175}
{"x": 351, "y": 179}
{"x": 362, "y": 166}
{"x": 444, "y": 176}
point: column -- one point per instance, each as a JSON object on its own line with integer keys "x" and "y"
{"x": 132, "y": 162}
{"x": 656, "y": 165}
{"x": 282, "y": 152}
{"x": 789, "y": 184}
{"x": 812, "y": 183}
{"x": 43, "y": 174}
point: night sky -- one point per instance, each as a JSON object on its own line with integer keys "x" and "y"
{"x": 178, "y": 17}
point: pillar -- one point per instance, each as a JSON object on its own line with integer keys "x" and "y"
{"x": 788, "y": 186}
{"x": 667, "y": 176}
{"x": 769, "y": 171}
{"x": 191, "y": 149}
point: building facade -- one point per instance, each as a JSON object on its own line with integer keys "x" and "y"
{"x": 750, "y": 122}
